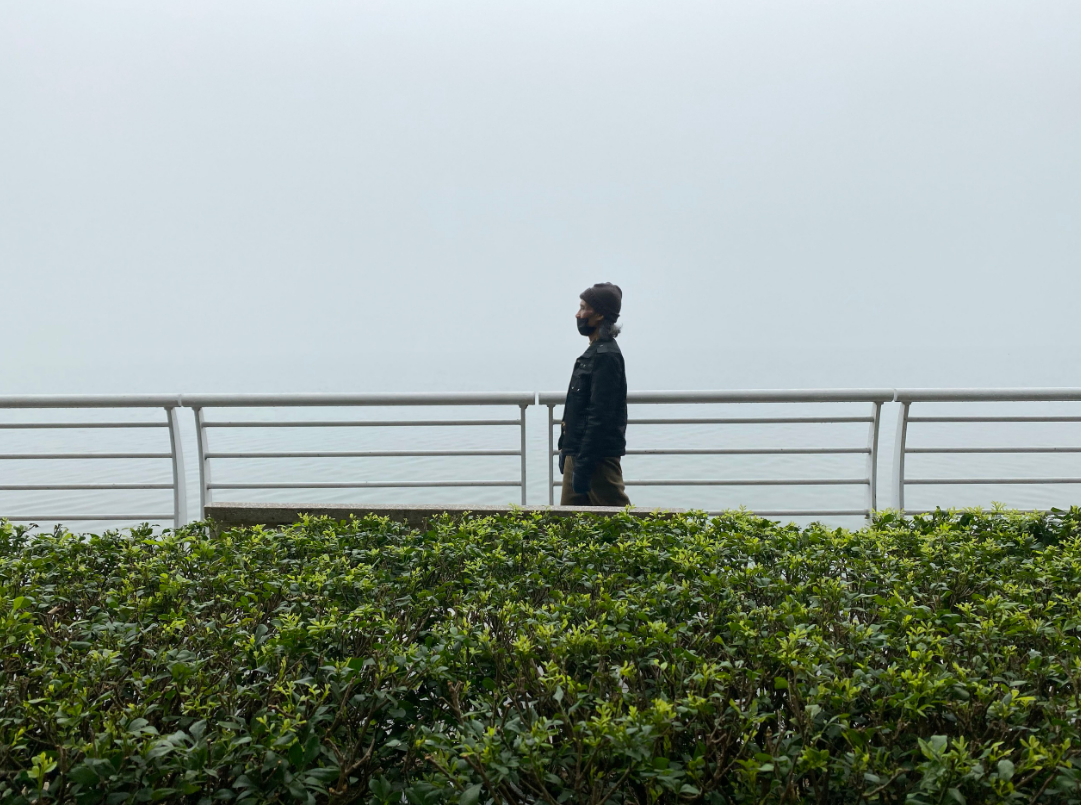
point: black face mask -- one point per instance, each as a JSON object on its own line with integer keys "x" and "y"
{"x": 584, "y": 327}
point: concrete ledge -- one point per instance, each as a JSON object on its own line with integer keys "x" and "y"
{"x": 275, "y": 514}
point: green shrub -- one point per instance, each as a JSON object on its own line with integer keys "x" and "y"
{"x": 530, "y": 659}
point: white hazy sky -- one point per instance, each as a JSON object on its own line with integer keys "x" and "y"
{"x": 410, "y": 195}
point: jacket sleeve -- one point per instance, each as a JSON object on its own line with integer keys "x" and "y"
{"x": 603, "y": 401}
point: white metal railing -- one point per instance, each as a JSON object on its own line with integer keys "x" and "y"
{"x": 907, "y": 397}
{"x": 874, "y": 397}
{"x": 201, "y": 402}
{"x": 175, "y": 455}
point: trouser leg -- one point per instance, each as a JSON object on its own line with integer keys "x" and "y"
{"x": 568, "y": 497}
{"x": 605, "y": 486}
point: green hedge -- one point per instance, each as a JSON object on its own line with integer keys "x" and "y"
{"x": 530, "y": 659}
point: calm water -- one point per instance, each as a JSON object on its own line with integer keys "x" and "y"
{"x": 507, "y": 467}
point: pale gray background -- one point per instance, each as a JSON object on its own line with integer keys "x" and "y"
{"x": 410, "y": 195}
{"x": 304, "y": 196}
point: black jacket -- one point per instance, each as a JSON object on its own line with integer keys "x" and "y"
{"x": 595, "y": 413}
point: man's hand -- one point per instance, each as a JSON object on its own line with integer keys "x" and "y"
{"x": 562, "y": 461}
{"x": 581, "y": 477}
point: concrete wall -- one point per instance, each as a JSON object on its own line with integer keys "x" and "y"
{"x": 276, "y": 514}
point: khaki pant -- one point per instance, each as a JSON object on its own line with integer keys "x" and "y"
{"x": 605, "y": 487}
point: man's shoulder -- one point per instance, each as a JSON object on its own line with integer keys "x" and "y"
{"x": 609, "y": 347}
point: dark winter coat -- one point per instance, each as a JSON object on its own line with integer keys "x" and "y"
{"x": 595, "y": 413}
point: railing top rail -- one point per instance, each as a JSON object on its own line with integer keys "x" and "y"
{"x": 743, "y": 396}
{"x": 1066, "y": 394}
{"x": 346, "y": 399}
{"x": 89, "y": 400}
{"x": 989, "y": 395}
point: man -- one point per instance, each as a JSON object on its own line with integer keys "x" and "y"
{"x": 594, "y": 433}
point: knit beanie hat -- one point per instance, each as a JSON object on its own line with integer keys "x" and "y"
{"x": 605, "y": 298}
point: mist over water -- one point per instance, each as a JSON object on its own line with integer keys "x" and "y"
{"x": 366, "y": 196}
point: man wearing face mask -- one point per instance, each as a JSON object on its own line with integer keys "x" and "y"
{"x": 594, "y": 432}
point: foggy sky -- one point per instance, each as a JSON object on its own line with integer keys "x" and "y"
{"x": 410, "y": 195}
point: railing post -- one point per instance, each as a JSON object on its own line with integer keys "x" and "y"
{"x": 872, "y": 475}
{"x": 522, "y": 421}
{"x": 204, "y": 463}
{"x": 899, "y": 458}
{"x": 551, "y": 449}
{"x": 180, "y": 481}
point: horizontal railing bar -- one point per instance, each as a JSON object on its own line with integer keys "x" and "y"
{"x": 754, "y": 482}
{"x": 757, "y": 420}
{"x": 741, "y": 396}
{"x": 743, "y": 451}
{"x": 747, "y": 482}
{"x": 363, "y": 423}
{"x": 332, "y": 398}
{"x": 949, "y": 450}
{"x": 362, "y": 485}
{"x": 989, "y": 395}
{"x": 798, "y": 512}
{"x": 89, "y": 400}
{"x": 994, "y": 418}
{"x": 366, "y": 453}
{"x": 930, "y": 481}
{"x": 28, "y": 456}
{"x": 1071, "y": 394}
{"x": 80, "y": 425}
{"x": 72, "y": 487}
{"x": 20, "y": 518}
